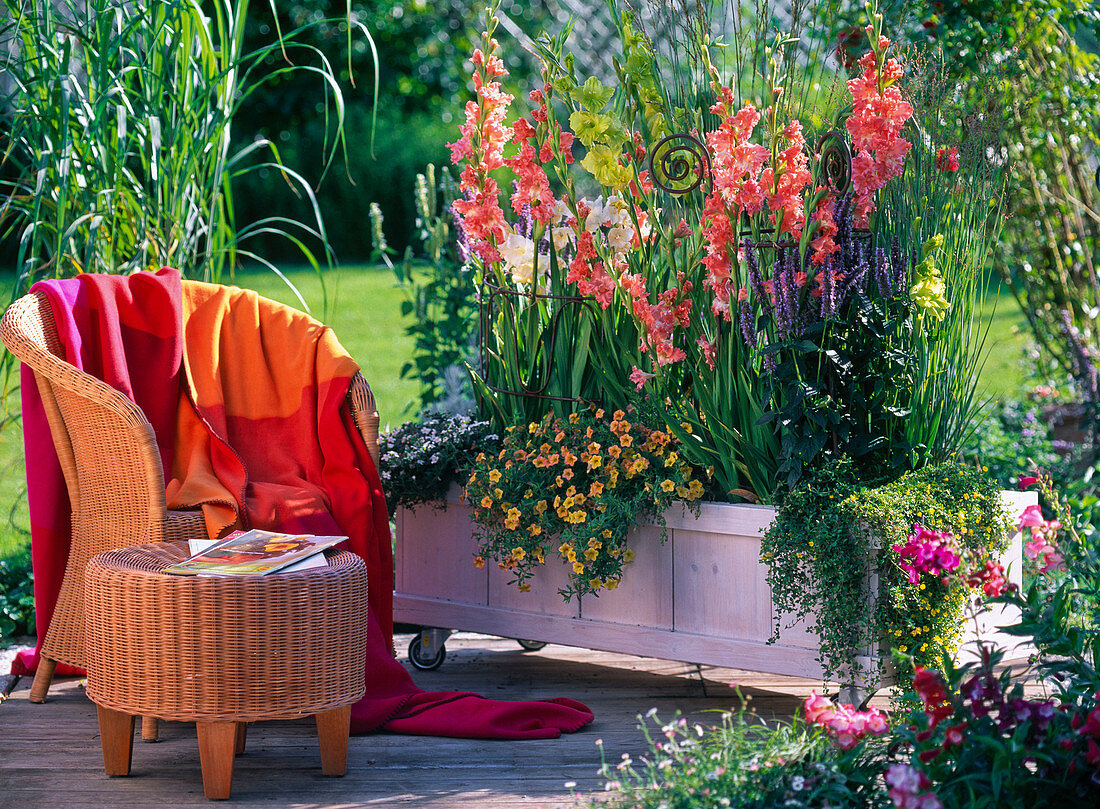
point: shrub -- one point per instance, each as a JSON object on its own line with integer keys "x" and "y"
{"x": 439, "y": 296}
{"x": 834, "y": 530}
{"x": 743, "y": 763}
{"x": 421, "y": 459}
{"x": 16, "y": 596}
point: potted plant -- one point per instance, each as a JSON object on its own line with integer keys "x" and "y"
{"x": 774, "y": 309}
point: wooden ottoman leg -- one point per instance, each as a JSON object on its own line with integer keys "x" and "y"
{"x": 332, "y": 734}
{"x": 217, "y": 741}
{"x": 150, "y": 732}
{"x": 116, "y": 735}
{"x": 43, "y": 676}
{"x": 242, "y": 734}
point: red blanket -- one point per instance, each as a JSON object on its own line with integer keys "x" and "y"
{"x": 263, "y": 438}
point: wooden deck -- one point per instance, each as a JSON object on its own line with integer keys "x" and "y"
{"x": 51, "y": 754}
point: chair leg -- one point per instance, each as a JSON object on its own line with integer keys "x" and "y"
{"x": 150, "y": 730}
{"x": 242, "y": 735}
{"x": 332, "y": 735}
{"x": 43, "y": 676}
{"x": 116, "y": 736}
{"x": 217, "y": 740}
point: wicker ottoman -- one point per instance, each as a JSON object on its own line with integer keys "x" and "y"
{"x": 222, "y": 651}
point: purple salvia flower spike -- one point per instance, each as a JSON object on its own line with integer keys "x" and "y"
{"x": 748, "y": 329}
{"x": 755, "y": 279}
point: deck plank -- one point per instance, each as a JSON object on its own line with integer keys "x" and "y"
{"x": 52, "y": 754}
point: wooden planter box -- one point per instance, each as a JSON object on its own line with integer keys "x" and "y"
{"x": 701, "y": 597}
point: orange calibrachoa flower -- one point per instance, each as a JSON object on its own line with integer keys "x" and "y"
{"x": 612, "y": 473}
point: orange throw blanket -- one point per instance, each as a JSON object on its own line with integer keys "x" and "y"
{"x": 263, "y": 438}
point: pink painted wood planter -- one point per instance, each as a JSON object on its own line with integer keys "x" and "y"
{"x": 701, "y": 597}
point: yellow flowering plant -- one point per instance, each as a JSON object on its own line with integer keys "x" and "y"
{"x": 573, "y": 488}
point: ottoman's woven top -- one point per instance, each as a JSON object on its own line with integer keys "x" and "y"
{"x": 223, "y": 648}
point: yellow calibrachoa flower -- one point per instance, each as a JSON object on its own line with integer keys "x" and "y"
{"x": 540, "y": 507}
{"x": 518, "y": 554}
{"x": 628, "y": 557}
{"x": 479, "y": 562}
{"x": 494, "y": 476}
{"x": 667, "y": 485}
{"x": 611, "y": 584}
{"x": 486, "y": 502}
{"x": 524, "y": 588}
{"x": 578, "y": 567}
{"x": 534, "y": 529}
{"x": 591, "y": 554}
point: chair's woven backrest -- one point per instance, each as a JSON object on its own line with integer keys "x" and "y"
{"x": 108, "y": 454}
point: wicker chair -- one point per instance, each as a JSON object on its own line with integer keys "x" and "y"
{"x": 112, "y": 470}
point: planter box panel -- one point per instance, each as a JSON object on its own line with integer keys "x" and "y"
{"x": 623, "y": 639}
{"x": 435, "y": 555}
{"x": 542, "y": 599}
{"x": 644, "y": 598}
{"x": 742, "y": 519}
{"x": 702, "y": 597}
{"x": 720, "y": 587}
{"x": 799, "y": 636}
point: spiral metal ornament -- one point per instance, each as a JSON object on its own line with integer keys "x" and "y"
{"x": 836, "y": 162}
{"x": 679, "y": 164}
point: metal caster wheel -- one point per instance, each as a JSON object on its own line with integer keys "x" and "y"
{"x": 419, "y": 657}
{"x": 531, "y": 645}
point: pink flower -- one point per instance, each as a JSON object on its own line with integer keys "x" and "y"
{"x": 947, "y": 160}
{"x": 878, "y": 115}
{"x": 906, "y": 784}
{"x": 928, "y": 551}
{"x": 708, "y": 349}
{"x": 843, "y": 722}
{"x": 954, "y": 735}
{"x": 1032, "y": 517}
{"x": 818, "y": 709}
{"x": 1026, "y": 481}
{"x": 640, "y": 377}
{"x": 482, "y": 147}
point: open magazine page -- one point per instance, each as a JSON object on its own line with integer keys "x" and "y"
{"x": 254, "y": 553}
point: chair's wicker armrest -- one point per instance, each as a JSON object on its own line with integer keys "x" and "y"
{"x": 365, "y": 413}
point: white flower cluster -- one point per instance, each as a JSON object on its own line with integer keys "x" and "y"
{"x": 610, "y": 218}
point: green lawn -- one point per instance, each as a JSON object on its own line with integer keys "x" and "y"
{"x": 364, "y": 307}
{"x": 1003, "y": 373}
